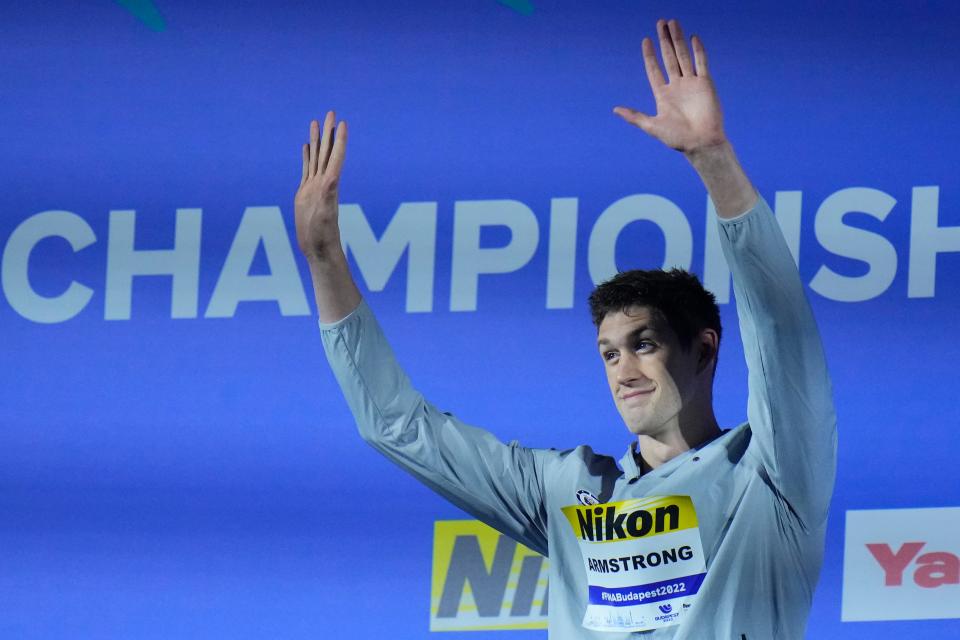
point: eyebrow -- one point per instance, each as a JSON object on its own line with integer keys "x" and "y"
{"x": 636, "y": 332}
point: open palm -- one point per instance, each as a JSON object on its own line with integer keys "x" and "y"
{"x": 688, "y": 116}
{"x": 315, "y": 206}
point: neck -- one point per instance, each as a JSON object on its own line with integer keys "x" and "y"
{"x": 682, "y": 436}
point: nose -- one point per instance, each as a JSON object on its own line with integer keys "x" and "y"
{"x": 628, "y": 369}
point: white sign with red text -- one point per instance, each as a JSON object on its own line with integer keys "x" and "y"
{"x": 902, "y": 564}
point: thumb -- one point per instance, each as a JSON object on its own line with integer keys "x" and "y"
{"x": 634, "y": 117}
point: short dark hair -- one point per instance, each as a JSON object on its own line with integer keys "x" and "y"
{"x": 675, "y": 295}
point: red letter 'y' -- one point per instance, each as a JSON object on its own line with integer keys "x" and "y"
{"x": 894, "y": 563}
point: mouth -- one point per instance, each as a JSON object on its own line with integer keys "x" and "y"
{"x": 636, "y": 394}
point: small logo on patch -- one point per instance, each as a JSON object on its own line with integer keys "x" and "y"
{"x": 586, "y": 498}
{"x": 666, "y": 608}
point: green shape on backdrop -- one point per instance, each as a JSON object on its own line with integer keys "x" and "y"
{"x": 520, "y": 6}
{"x": 146, "y": 12}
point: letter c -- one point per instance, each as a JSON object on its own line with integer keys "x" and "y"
{"x": 16, "y": 257}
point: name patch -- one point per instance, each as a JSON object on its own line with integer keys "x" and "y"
{"x": 644, "y": 561}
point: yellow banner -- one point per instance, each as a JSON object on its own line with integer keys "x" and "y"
{"x": 483, "y": 580}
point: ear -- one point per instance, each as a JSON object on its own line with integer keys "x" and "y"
{"x": 707, "y": 341}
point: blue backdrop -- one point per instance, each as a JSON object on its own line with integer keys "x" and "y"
{"x": 183, "y": 472}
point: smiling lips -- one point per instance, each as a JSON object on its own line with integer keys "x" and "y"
{"x": 634, "y": 394}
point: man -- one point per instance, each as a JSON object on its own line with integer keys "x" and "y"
{"x": 700, "y": 533}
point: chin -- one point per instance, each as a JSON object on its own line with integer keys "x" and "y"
{"x": 641, "y": 429}
{"x": 645, "y": 428}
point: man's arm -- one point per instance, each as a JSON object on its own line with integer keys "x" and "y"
{"x": 790, "y": 406}
{"x": 500, "y": 484}
{"x": 316, "y": 213}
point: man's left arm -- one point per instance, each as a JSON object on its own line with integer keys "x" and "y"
{"x": 790, "y": 405}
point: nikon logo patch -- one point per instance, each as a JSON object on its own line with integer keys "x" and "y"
{"x": 629, "y": 519}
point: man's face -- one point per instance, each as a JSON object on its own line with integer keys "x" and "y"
{"x": 651, "y": 377}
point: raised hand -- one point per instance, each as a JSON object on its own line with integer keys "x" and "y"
{"x": 315, "y": 205}
{"x": 688, "y": 117}
{"x": 316, "y": 212}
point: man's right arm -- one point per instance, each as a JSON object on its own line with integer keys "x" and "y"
{"x": 500, "y": 484}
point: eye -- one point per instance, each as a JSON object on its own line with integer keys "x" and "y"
{"x": 645, "y": 346}
{"x": 609, "y": 355}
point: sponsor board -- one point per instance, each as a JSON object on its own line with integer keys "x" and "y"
{"x": 901, "y": 564}
{"x": 484, "y": 580}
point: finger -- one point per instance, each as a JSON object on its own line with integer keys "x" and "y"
{"x": 634, "y": 117}
{"x": 306, "y": 164}
{"x": 338, "y": 152}
{"x": 654, "y": 75}
{"x": 325, "y": 142}
{"x": 680, "y": 46}
{"x": 667, "y": 52}
{"x": 314, "y": 146}
{"x": 700, "y": 56}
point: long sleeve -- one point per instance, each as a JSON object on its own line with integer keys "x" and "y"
{"x": 500, "y": 484}
{"x": 790, "y": 406}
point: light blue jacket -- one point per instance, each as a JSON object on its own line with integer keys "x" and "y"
{"x": 761, "y": 490}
